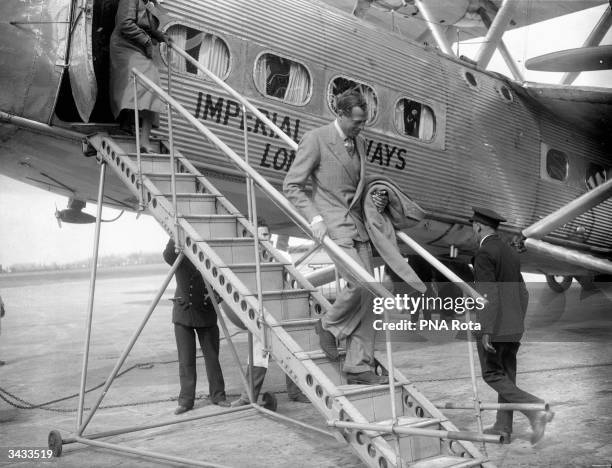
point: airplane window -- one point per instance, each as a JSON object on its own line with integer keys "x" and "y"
{"x": 282, "y": 79}
{"x": 209, "y": 50}
{"x": 415, "y": 119}
{"x": 339, "y": 85}
{"x": 595, "y": 176}
{"x": 557, "y": 164}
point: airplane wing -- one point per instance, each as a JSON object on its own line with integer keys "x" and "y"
{"x": 460, "y": 18}
{"x": 589, "y": 108}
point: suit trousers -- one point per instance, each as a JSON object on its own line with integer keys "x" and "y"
{"x": 499, "y": 372}
{"x": 351, "y": 316}
{"x": 186, "y": 346}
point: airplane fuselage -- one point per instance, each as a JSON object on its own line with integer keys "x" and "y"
{"x": 483, "y": 141}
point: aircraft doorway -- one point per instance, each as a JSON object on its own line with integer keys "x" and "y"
{"x": 88, "y": 78}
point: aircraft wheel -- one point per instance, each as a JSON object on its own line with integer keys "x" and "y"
{"x": 559, "y": 283}
{"x": 269, "y": 401}
{"x": 55, "y": 443}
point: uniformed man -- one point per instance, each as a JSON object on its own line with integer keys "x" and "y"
{"x": 193, "y": 314}
{"x": 497, "y": 273}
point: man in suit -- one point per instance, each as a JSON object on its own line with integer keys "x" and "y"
{"x": 497, "y": 273}
{"x": 193, "y": 314}
{"x": 333, "y": 158}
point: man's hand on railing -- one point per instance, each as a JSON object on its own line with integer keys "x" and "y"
{"x": 160, "y": 36}
{"x": 319, "y": 229}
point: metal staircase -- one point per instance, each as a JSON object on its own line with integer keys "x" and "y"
{"x": 390, "y": 425}
{"x": 218, "y": 240}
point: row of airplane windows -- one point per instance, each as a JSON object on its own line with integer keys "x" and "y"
{"x": 289, "y": 81}
{"x": 558, "y": 166}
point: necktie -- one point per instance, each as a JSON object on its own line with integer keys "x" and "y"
{"x": 349, "y": 144}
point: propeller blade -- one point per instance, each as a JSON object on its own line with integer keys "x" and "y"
{"x": 58, "y": 217}
{"x": 573, "y": 60}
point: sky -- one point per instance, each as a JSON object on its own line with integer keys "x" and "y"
{"x": 30, "y": 234}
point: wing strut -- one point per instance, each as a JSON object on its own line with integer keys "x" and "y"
{"x": 503, "y": 49}
{"x": 562, "y": 216}
{"x": 495, "y": 33}
{"x": 436, "y": 31}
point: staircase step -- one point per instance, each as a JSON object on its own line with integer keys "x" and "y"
{"x": 331, "y": 369}
{"x": 290, "y": 304}
{"x": 447, "y": 461}
{"x": 184, "y": 182}
{"x": 375, "y": 406}
{"x": 272, "y": 275}
{"x": 212, "y": 226}
{"x": 234, "y": 249}
{"x": 193, "y": 204}
{"x": 350, "y": 390}
{"x": 154, "y": 163}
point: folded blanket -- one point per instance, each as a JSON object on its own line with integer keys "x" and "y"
{"x": 401, "y": 212}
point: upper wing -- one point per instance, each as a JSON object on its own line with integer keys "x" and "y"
{"x": 457, "y": 16}
{"x": 588, "y": 108}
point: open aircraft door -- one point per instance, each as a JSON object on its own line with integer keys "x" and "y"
{"x": 81, "y": 69}
{"x": 33, "y": 40}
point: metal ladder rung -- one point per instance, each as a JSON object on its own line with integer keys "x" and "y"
{"x": 312, "y": 355}
{"x": 447, "y": 461}
{"x": 405, "y": 421}
{"x": 359, "y": 389}
{"x": 295, "y": 322}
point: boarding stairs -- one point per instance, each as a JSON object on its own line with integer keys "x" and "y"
{"x": 218, "y": 240}
{"x": 390, "y": 425}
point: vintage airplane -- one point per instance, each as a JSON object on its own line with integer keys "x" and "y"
{"x": 448, "y": 131}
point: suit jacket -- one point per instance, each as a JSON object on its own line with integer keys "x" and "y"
{"x": 192, "y": 306}
{"x": 497, "y": 272}
{"x": 338, "y": 181}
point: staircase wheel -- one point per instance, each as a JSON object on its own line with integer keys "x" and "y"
{"x": 559, "y": 283}
{"x": 269, "y": 401}
{"x": 55, "y": 443}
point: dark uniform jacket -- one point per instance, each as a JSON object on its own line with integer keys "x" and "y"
{"x": 497, "y": 273}
{"x": 192, "y": 306}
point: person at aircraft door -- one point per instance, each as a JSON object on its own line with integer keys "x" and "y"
{"x": 332, "y": 157}
{"x": 193, "y": 314}
{"x": 261, "y": 357}
{"x": 134, "y": 44}
{"x": 497, "y": 274}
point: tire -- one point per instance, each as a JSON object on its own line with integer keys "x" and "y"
{"x": 557, "y": 285}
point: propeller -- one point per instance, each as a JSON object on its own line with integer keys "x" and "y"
{"x": 74, "y": 214}
{"x": 573, "y": 60}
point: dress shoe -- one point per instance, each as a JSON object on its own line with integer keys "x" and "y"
{"x": 538, "y": 425}
{"x": 300, "y": 398}
{"x": 182, "y": 409}
{"x": 507, "y": 436}
{"x": 327, "y": 340}
{"x": 222, "y": 403}
{"x": 366, "y": 378}
{"x": 239, "y": 402}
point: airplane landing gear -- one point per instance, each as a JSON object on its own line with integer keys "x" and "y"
{"x": 559, "y": 283}
{"x": 55, "y": 443}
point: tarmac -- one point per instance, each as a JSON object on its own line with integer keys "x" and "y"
{"x": 565, "y": 358}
